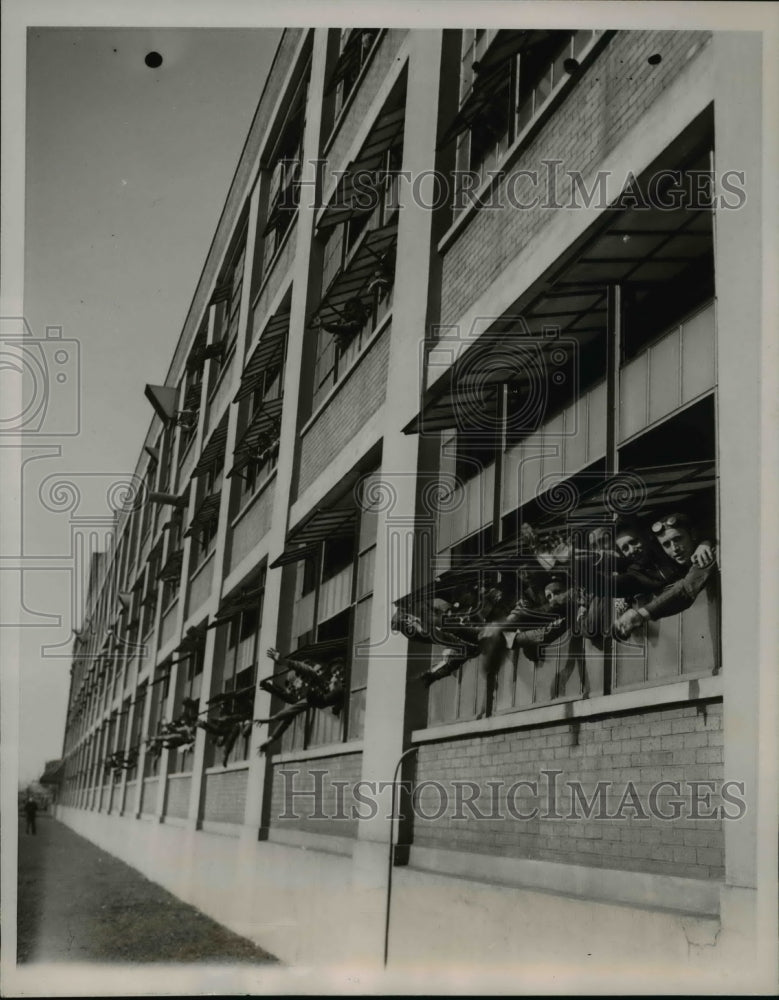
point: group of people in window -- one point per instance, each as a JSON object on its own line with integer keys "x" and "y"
{"x": 605, "y": 581}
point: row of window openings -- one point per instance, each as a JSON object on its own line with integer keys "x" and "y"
{"x": 527, "y": 83}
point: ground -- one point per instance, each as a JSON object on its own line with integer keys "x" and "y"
{"x": 77, "y": 903}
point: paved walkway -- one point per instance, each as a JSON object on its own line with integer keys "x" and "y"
{"x": 77, "y": 903}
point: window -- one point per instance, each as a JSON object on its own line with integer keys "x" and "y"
{"x": 187, "y": 416}
{"x": 159, "y": 699}
{"x": 331, "y": 615}
{"x": 573, "y": 466}
{"x": 359, "y": 272}
{"x": 356, "y": 46}
{"x": 507, "y": 79}
{"x": 236, "y": 674}
{"x": 149, "y": 598}
{"x": 188, "y": 683}
{"x": 227, "y": 299}
{"x": 284, "y": 172}
{"x": 170, "y": 574}
{"x": 136, "y": 730}
{"x": 205, "y": 520}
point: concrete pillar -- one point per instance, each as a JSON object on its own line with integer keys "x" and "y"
{"x": 385, "y": 711}
{"x": 738, "y": 264}
{"x": 220, "y": 545}
{"x": 282, "y": 489}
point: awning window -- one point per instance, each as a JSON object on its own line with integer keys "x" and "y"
{"x": 261, "y": 434}
{"x": 640, "y": 250}
{"x": 352, "y": 56}
{"x": 213, "y": 451}
{"x": 326, "y": 649}
{"x": 305, "y": 539}
{"x": 491, "y": 74}
{"x": 268, "y": 353}
{"x": 373, "y": 256}
{"x": 206, "y": 513}
{"x": 386, "y": 134}
{"x": 171, "y": 571}
{"x": 244, "y": 600}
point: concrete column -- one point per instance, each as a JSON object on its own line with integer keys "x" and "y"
{"x": 282, "y": 495}
{"x": 738, "y": 266}
{"x": 386, "y": 697}
{"x": 220, "y": 546}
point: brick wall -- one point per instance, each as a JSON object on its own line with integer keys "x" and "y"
{"x": 681, "y": 744}
{"x": 353, "y": 120}
{"x": 318, "y": 813}
{"x": 608, "y": 100}
{"x": 225, "y": 796}
{"x": 253, "y": 525}
{"x": 149, "y": 795}
{"x": 130, "y": 796}
{"x": 272, "y": 282}
{"x": 358, "y": 397}
{"x": 178, "y": 795}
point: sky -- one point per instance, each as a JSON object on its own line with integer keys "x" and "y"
{"x": 127, "y": 169}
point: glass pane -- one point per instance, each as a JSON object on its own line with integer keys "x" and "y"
{"x": 663, "y": 648}
{"x": 664, "y": 396}
{"x": 698, "y": 354}
{"x": 581, "y": 40}
{"x": 633, "y": 397}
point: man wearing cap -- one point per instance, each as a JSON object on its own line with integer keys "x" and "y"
{"x": 693, "y": 564}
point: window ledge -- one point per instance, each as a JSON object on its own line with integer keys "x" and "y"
{"x": 567, "y": 711}
{"x": 344, "y": 111}
{"x": 524, "y": 138}
{"x": 264, "y": 485}
{"x": 236, "y": 765}
{"x": 199, "y": 569}
{"x": 380, "y": 328}
{"x": 313, "y": 753}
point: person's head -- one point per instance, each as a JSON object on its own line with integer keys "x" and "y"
{"x": 675, "y": 536}
{"x": 555, "y": 589}
{"x": 629, "y": 540}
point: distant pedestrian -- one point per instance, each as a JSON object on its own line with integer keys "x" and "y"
{"x": 30, "y": 812}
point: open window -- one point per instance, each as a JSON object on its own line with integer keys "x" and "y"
{"x": 508, "y": 78}
{"x": 158, "y": 693}
{"x": 261, "y": 397}
{"x": 209, "y": 473}
{"x": 235, "y": 671}
{"x": 285, "y": 166}
{"x": 355, "y": 48}
{"x": 334, "y": 554}
{"x": 358, "y": 228}
{"x": 592, "y": 402}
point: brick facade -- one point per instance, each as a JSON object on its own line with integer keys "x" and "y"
{"x": 301, "y": 777}
{"x": 355, "y": 399}
{"x": 225, "y": 796}
{"x": 608, "y": 100}
{"x": 681, "y": 744}
{"x": 178, "y": 795}
{"x": 347, "y": 128}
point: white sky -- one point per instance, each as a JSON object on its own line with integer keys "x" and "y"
{"x": 127, "y": 169}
